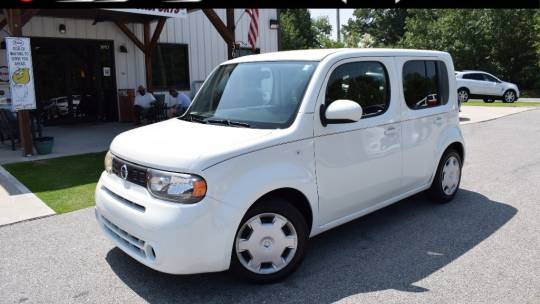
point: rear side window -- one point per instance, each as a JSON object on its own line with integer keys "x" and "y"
{"x": 425, "y": 84}
{"x": 364, "y": 82}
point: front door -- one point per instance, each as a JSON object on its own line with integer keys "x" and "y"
{"x": 358, "y": 164}
{"x": 75, "y": 80}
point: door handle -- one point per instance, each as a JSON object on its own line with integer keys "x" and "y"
{"x": 390, "y": 131}
{"x": 438, "y": 120}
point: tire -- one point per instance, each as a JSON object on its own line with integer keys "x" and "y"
{"x": 463, "y": 95}
{"x": 443, "y": 190}
{"x": 488, "y": 100}
{"x": 266, "y": 245}
{"x": 509, "y": 96}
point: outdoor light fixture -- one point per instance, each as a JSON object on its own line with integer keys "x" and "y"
{"x": 123, "y": 49}
{"x": 274, "y": 24}
{"x": 62, "y": 28}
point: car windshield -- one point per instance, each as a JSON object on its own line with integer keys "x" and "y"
{"x": 263, "y": 95}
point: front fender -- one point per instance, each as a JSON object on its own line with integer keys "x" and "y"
{"x": 242, "y": 180}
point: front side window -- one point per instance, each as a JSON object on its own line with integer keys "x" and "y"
{"x": 365, "y": 83}
{"x": 490, "y": 78}
{"x": 425, "y": 84}
{"x": 263, "y": 95}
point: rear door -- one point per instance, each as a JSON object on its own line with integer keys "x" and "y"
{"x": 425, "y": 113}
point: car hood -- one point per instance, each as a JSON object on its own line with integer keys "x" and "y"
{"x": 182, "y": 146}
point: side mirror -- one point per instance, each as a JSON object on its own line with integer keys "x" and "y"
{"x": 341, "y": 111}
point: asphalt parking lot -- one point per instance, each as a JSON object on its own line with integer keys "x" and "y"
{"x": 484, "y": 247}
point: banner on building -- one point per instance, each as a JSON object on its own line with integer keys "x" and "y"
{"x": 163, "y": 12}
{"x": 21, "y": 75}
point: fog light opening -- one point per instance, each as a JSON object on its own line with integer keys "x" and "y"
{"x": 150, "y": 253}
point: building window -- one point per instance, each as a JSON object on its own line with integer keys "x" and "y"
{"x": 365, "y": 83}
{"x": 170, "y": 66}
{"x": 425, "y": 84}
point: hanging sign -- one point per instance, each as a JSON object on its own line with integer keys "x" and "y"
{"x": 21, "y": 75}
{"x": 163, "y": 12}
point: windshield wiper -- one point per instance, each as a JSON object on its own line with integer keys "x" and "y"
{"x": 228, "y": 122}
{"x": 195, "y": 118}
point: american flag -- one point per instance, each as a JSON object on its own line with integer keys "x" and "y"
{"x": 253, "y": 26}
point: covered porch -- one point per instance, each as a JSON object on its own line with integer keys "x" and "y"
{"x": 70, "y": 140}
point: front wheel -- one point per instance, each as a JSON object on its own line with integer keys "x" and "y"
{"x": 509, "y": 96}
{"x": 463, "y": 95}
{"x": 270, "y": 242}
{"x": 446, "y": 182}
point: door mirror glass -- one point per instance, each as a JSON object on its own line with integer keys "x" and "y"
{"x": 342, "y": 111}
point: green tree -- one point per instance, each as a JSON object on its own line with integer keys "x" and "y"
{"x": 498, "y": 41}
{"x": 385, "y": 26}
{"x": 296, "y": 30}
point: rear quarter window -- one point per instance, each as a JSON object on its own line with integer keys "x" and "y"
{"x": 425, "y": 84}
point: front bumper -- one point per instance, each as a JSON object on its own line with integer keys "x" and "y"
{"x": 168, "y": 237}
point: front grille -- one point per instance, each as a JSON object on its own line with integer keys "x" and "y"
{"x": 133, "y": 243}
{"x": 136, "y": 174}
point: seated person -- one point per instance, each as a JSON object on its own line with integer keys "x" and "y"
{"x": 177, "y": 102}
{"x": 143, "y": 102}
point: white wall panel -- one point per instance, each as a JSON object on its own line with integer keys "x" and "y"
{"x": 206, "y": 48}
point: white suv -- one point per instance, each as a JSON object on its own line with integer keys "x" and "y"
{"x": 277, "y": 148}
{"x": 478, "y": 84}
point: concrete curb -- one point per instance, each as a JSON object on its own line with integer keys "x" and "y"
{"x": 17, "y": 202}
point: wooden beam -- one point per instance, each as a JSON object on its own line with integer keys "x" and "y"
{"x": 232, "y": 29}
{"x": 219, "y": 25}
{"x": 147, "y": 55}
{"x": 14, "y": 21}
{"x": 24, "y": 18}
{"x": 122, "y": 26}
{"x": 155, "y": 36}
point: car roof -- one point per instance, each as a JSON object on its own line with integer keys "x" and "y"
{"x": 472, "y": 71}
{"x": 320, "y": 54}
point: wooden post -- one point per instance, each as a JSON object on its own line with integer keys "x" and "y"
{"x": 147, "y": 55}
{"x": 14, "y": 21}
{"x": 232, "y": 29}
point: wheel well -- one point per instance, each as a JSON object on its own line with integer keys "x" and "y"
{"x": 296, "y": 198}
{"x": 464, "y": 88}
{"x": 458, "y": 147}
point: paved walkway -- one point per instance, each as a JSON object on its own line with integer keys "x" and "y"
{"x": 474, "y": 114}
{"x": 17, "y": 203}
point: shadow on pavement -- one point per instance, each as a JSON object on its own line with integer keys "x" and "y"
{"x": 390, "y": 249}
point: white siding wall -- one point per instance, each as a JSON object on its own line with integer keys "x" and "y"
{"x": 206, "y": 47}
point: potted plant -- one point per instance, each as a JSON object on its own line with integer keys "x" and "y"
{"x": 44, "y": 144}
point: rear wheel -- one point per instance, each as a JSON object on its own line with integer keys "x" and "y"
{"x": 270, "y": 242}
{"x": 446, "y": 182}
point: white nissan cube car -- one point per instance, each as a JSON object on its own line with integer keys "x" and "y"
{"x": 277, "y": 148}
{"x": 478, "y": 84}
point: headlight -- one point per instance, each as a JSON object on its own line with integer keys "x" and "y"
{"x": 108, "y": 162}
{"x": 176, "y": 187}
